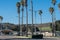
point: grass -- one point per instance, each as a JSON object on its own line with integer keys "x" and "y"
{"x": 5, "y": 37}
{"x": 29, "y": 36}
{"x": 45, "y": 28}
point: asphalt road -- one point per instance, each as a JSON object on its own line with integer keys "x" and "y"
{"x": 32, "y": 39}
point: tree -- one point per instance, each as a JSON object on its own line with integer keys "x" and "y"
{"x": 58, "y": 25}
{"x": 53, "y": 2}
{"x": 18, "y": 8}
{"x": 24, "y": 3}
{"x": 59, "y": 5}
{"x": 32, "y": 15}
{"x": 1, "y": 18}
{"x": 51, "y": 10}
{"x": 40, "y": 13}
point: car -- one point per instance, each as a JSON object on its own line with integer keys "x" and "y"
{"x": 37, "y": 35}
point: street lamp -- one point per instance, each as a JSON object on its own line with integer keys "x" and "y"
{"x": 18, "y": 10}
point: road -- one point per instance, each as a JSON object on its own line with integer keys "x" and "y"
{"x": 32, "y": 39}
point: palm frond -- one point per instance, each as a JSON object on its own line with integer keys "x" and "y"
{"x": 59, "y": 5}
{"x": 1, "y": 17}
{"x": 51, "y": 9}
{"x": 53, "y": 2}
{"x": 40, "y": 12}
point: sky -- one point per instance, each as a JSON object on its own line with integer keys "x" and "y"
{"x": 8, "y": 11}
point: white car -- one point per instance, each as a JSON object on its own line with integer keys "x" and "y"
{"x": 36, "y": 33}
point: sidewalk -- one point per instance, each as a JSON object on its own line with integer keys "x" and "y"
{"x": 8, "y": 37}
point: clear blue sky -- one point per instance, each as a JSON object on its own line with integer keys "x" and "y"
{"x": 9, "y": 11}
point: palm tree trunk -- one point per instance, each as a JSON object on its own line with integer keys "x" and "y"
{"x": 22, "y": 18}
{"x": 41, "y": 22}
{"x": 1, "y": 26}
{"x": 54, "y": 22}
{"x": 19, "y": 23}
{"x": 35, "y": 21}
{"x": 32, "y": 15}
{"x": 19, "y": 20}
{"x": 26, "y": 21}
{"x": 52, "y": 26}
{"x": 0, "y": 21}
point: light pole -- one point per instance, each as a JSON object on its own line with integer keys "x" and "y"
{"x": 18, "y": 10}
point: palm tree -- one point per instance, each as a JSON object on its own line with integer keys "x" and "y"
{"x": 40, "y": 13}
{"x": 1, "y": 18}
{"x": 26, "y": 18}
{"x": 59, "y": 5}
{"x": 18, "y": 9}
{"x": 22, "y": 3}
{"x": 32, "y": 15}
{"x": 54, "y": 2}
{"x": 51, "y": 10}
{"x": 35, "y": 21}
{"x": 25, "y": 4}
